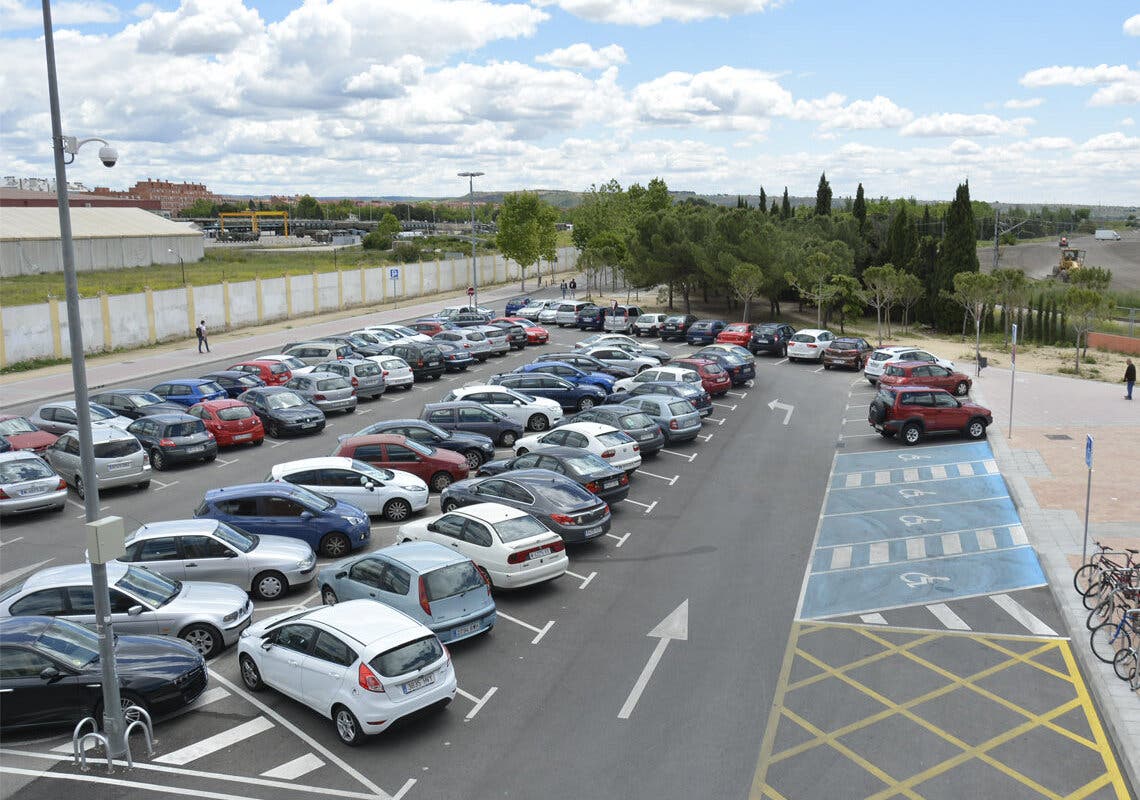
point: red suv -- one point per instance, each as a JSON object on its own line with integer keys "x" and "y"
{"x": 915, "y": 411}
{"x": 437, "y": 467}
{"x": 922, "y": 373}
{"x": 714, "y": 378}
{"x": 274, "y": 373}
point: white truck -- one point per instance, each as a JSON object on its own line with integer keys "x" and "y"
{"x": 1107, "y": 235}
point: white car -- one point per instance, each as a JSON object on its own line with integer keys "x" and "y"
{"x": 617, "y": 356}
{"x": 399, "y": 332}
{"x": 671, "y": 374}
{"x": 395, "y": 370}
{"x": 496, "y": 338}
{"x": 549, "y": 315}
{"x": 879, "y": 359}
{"x": 473, "y": 342}
{"x": 648, "y": 324}
{"x": 513, "y": 547}
{"x": 809, "y": 344}
{"x": 392, "y": 494}
{"x": 615, "y": 447}
{"x": 533, "y": 413}
{"x": 566, "y": 312}
{"x": 362, "y": 664}
{"x": 536, "y": 307}
{"x": 295, "y": 365}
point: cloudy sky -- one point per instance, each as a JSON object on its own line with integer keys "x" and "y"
{"x": 1032, "y": 101}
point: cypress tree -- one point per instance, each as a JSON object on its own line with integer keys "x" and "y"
{"x": 1042, "y": 331}
{"x": 763, "y": 201}
{"x": 1001, "y": 321}
{"x": 859, "y": 210}
{"x": 1027, "y": 334}
{"x": 823, "y": 196}
{"x": 990, "y": 320}
{"x": 1063, "y": 335}
{"x": 775, "y": 212}
{"x": 786, "y": 206}
{"x": 1054, "y": 329}
{"x": 959, "y": 253}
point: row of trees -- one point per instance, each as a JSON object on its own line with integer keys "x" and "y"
{"x": 308, "y": 207}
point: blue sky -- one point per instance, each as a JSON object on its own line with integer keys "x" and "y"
{"x": 1032, "y": 102}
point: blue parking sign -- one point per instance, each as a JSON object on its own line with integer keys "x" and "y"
{"x": 394, "y": 273}
{"x": 1088, "y": 450}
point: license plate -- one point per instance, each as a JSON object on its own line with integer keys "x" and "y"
{"x": 594, "y": 531}
{"x": 609, "y": 484}
{"x": 470, "y": 627}
{"x": 433, "y": 363}
{"x": 308, "y": 425}
{"x": 241, "y": 436}
{"x": 120, "y": 465}
{"x": 32, "y": 490}
{"x": 539, "y": 553}
{"x": 419, "y": 683}
{"x": 198, "y": 448}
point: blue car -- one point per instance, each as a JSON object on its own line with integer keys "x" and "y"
{"x": 330, "y": 527}
{"x": 514, "y": 304}
{"x": 234, "y": 381}
{"x": 569, "y": 372}
{"x": 704, "y": 331}
{"x": 539, "y": 384}
{"x": 189, "y": 391}
{"x": 430, "y": 583}
{"x": 455, "y": 358}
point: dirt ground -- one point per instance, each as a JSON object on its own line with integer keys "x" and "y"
{"x": 1037, "y": 259}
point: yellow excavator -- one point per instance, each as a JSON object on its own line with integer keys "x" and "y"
{"x": 1071, "y": 259}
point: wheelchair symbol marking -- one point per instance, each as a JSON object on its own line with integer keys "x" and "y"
{"x": 916, "y": 519}
{"x": 910, "y": 493}
{"x": 911, "y": 457}
{"x": 915, "y": 579}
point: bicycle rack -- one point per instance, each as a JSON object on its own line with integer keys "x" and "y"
{"x": 141, "y": 721}
{"x": 79, "y": 742}
{"x": 81, "y": 750}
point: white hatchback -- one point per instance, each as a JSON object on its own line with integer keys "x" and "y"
{"x": 395, "y": 370}
{"x": 393, "y": 494}
{"x": 616, "y": 448}
{"x": 513, "y": 547}
{"x": 879, "y": 359}
{"x": 362, "y": 664}
{"x": 402, "y": 332}
{"x": 533, "y": 413}
{"x": 809, "y": 344}
{"x": 654, "y": 374}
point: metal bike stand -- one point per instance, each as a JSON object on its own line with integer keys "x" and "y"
{"x": 142, "y": 720}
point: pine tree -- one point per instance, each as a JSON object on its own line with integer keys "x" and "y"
{"x": 990, "y": 319}
{"x": 775, "y": 212}
{"x": 763, "y": 201}
{"x": 823, "y": 196}
{"x": 859, "y": 210}
{"x": 1063, "y": 333}
{"x": 785, "y": 206}
{"x": 1027, "y": 334}
{"x": 1001, "y": 321}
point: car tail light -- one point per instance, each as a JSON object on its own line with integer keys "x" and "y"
{"x": 166, "y": 443}
{"x": 384, "y": 374}
{"x": 419, "y": 362}
{"x": 812, "y": 346}
{"x": 367, "y": 679}
{"x": 693, "y": 403}
{"x": 592, "y": 486}
{"x": 637, "y": 448}
{"x": 562, "y": 519}
{"x": 523, "y": 555}
{"x": 355, "y": 382}
{"x": 609, "y": 454}
{"x": 61, "y": 485}
{"x": 425, "y": 604}
{"x": 319, "y": 397}
{"x": 4, "y": 495}
{"x": 673, "y": 426}
{"x": 624, "y": 479}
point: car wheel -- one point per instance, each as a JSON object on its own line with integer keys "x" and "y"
{"x": 976, "y": 429}
{"x": 126, "y": 700}
{"x": 961, "y": 389}
{"x": 586, "y": 402}
{"x": 434, "y": 378}
{"x": 440, "y": 481}
{"x": 887, "y": 434}
{"x": 203, "y": 638}
{"x": 784, "y": 351}
{"x": 507, "y": 439}
{"x": 642, "y": 368}
{"x": 474, "y": 459}
{"x": 157, "y": 460}
{"x": 328, "y": 596}
{"x": 826, "y": 365}
{"x": 270, "y": 585}
{"x": 448, "y": 506}
{"x": 211, "y": 457}
{"x": 274, "y": 430}
{"x": 250, "y": 674}
{"x": 522, "y": 451}
{"x": 911, "y": 434}
{"x": 258, "y": 442}
{"x": 347, "y": 726}
{"x": 397, "y": 509}
{"x": 79, "y": 490}
{"x": 335, "y": 545}
{"x": 538, "y": 422}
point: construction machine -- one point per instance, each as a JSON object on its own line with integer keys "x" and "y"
{"x": 1071, "y": 259}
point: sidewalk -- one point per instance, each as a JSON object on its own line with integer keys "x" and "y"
{"x": 1044, "y": 467}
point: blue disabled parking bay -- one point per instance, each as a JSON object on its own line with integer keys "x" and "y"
{"x": 908, "y": 526}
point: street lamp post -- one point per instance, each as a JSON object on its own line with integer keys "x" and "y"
{"x": 471, "y": 176}
{"x": 181, "y": 263}
{"x": 62, "y": 147}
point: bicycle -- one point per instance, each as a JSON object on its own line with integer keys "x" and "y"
{"x": 1088, "y": 574}
{"x": 1126, "y": 663}
{"x": 1109, "y": 580}
{"x": 1108, "y": 638}
{"x": 1119, "y": 600}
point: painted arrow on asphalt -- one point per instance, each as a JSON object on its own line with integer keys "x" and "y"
{"x": 784, "y": 406}
{"x": 674, "y": 626}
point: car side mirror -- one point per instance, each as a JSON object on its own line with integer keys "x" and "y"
{"x": 518, "y": 402}
{"x": 266, "y": 644}
{"x": 370, "y": 486}
{"x": 341, "y": 574}
{"x": 50, "y": 674}
{"x": 306, "y": 515}
{"x": 134, "y": 611}
{"x": 431, "y": 526}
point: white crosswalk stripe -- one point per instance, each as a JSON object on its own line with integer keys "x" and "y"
{"x": 854, "y": 479}
{"x": 986, "y": 539}
{"x": 213, "y": 744}
{"x": 947, "y": 617}
{"x": 298, "y": 767}
{"x": 880, "y": 552}
{"x": 1022, "y": 615}
{"x": 938, "y": 472}
{"x": 915, "y": 548}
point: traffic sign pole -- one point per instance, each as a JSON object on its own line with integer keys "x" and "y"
{"x": 394, "y": 274}
{"x": 1012, "y": 376}
{"x": 1088, "y": 495}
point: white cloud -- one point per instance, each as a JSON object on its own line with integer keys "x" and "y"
{"x": 1132, "y": 25}
{"x": 965, "y": 147}
{"x": 1122, "y": 93}
{"x": 1128, "y": 121}
{"x": 1075, "y": 76}
{"x": 386, "y": 80}
{"x": 1029, "y": 102}
{"x": 879, "y": 112}
{"x": 1049, "y": 143}
{"x": 1115, "y": 142}
{"x": 651, "y": 12}
{"x": 19, "y": 15}
{"x": 725, "y": 98}
{"x": 144, "y": 10}
{"x": 583, "y": 56}
{"x": 965, "y": 125}
{"x": 199, "y": 27}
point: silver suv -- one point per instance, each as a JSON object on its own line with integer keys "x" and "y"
{"x": 119, "y": 459}
{"x": 364, "y": 375}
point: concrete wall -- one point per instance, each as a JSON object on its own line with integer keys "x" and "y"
{"x": 41, "y": 256}
{"x": 134, "y": 320}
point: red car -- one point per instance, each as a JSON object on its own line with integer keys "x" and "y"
{"x": 231, "y": 421}
{"x": 913, "y": 412}
{"x": 923, "y": 373}
{"x": 23, "y": 435}
{"x": 737, "y": 333}
{"x": 430, "y": 327}
{"x": 274, "y": 373}
{"x": 439, "y": 468}
{"x": 714, "y": 378}
{"x": 535, "y": 334}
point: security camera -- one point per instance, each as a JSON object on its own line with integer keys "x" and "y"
{"x": 108, "y": 155}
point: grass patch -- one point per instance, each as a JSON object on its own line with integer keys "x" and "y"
{"x": 33, "y": 363}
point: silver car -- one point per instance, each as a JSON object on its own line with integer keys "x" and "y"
{"x": 326, "y": 391}
{"x": 210, "y": 616}
{"x": 364, "y": 374}
{"x": 678, "y": 421}
{"x": 395, "y": 371}
{"x": 496, "y": 339}
{"x": 473, "y": 341}
{"x": 28, "y": 483}
{"x": 209, "y": 550}
{"x": 59, "y": 418}
{"x": 119, "y": 460}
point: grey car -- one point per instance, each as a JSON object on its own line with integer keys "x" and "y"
{"x": 210, "y": 616}
{"x": 472, "y": 417}
{"x": 677, "y": 418}
{"x": 472, "y": 340}
{"x": 326, "y": 391}
{"x": 171, "y": 438}
{"x": 119, "y": 460}
{"x": 643, "y": 428}
{"x": 364, "y": 374}
{"x": 496, "y": 338}
{"x": 209, "y": 550}
{"x": 59, "y": 418}
{"x": 28, "y": 483}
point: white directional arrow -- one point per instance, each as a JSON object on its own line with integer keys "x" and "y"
{"x": 674, "y": 626}
{"x": 784, "y": 406}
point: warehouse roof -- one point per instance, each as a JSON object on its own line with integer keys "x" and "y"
{"x": 88, "y": 223}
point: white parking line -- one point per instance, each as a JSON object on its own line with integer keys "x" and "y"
{"x": 8, "y": 577}
{"x": 363, "y": 410}
{"x": 725, "y": 405}
{"x": 1022, "y": 615}
{"x": 478, "y": 701}
{"x": 947, "y": 617}
{"x": 620, "y": 539}
{"x": 689, "y": 456}
{"x": 298, "y": 767}
{"x": 820, "y": 368}
{"x": 670, "y": 481}
{"x": 585, "y": 579}
{"x": 221, "y": 462}
{"x": 741, "y": 395}
{"x": 781, "y": 361}
{"x": 705, "y": 436}
{"x": 283, "y": 441}
{"x": 874, "y": 619}
{"x": 162, "y": 485}
{"x": 712, "y": 419}
{"x": 219, "y": 741}
{"x": 81, "y": 516}
{"x": 648, "y": 508}
{"x": 540, "y": 631}
{"x": 11, "y": 541}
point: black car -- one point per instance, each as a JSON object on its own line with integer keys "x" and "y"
{"x": 456, "y": 358}
{"x": 771, "y": 337}
{"x": 588, "y": 364}
{"x": 475, "y": 447}
{"x": 173, "y": 438}
{"x": 234, "y": 381}
{"x": 590, "y": 471}
{"x": 52, "y": 674}
{"x": 135, "y": 403}
{"x": 730, "y": 363}
{"x": 282, "y": 411}
{"x": 590, "y": 318}
{"x": 559, "y": 502}
{"x": 361, "y": 346}
{"x": 643, "y": 428}
{"x": 569, "y": 395}
{"x": 424, "y": 358}
{"x": 516, "y": 334}
{"x": 472, "y": 417}
{"x": 468, "y": 319}
{"x": 676, "y": 326}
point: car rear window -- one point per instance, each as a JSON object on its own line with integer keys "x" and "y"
{"x": 24, "y": 469}
{"x": 117, "y": 449}
{"x": 886, "y": 396}
{"x": 278, "y": 369}
{"x": 737, "y": 328}
{"x": 897, "y": 372}
{"x": 803, "y": 337}
{"x": 232, "y": 413}
{"x": 452, "y": 580}
{"x": 634, "y": 421}
{"x": 328, "y": 384}
{"x": 839, "y": 344}
{"x": 512, "y": 530}
{"x": 364, "y": 370}
{"x": 408, "y": 657}
{"x": 680, "y": 408}
{"x": 614, "y": 438}
{"x": 185, "y": 428}
{"x": 210, "y": 388}
{"x": 714, "y": 369}
{"x": 879, "y": 355}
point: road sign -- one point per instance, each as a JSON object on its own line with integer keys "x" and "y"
{"x": 1088, "y": 451}
{"x": 394, "y": 273}
{"x": 470, "y": 291}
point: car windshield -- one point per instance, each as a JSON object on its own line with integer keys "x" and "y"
{"x": 143, "y": 399}
{"x": 231, "y": 413}
{"x": 117, "y": 449}
{"x": 279, "y": 400}
{"x": 364, "y": 370}
{"x": 587, "y": 464}
{"x": 99, "y": 412}
{"x": 452, "y": 580}
{"x": 312, "y": 499}
{"x": 74, "y": 645}
{"x": 403, "y": 331}
{"x": 512, "y": 530}
{"x": 633, "y": 421}
{"x": 239, "y": 540}
{"x": 408, "y": 658}
{"x": 16, "y": 425}
{"x": 292, "y": 362}
{"x": 376, "y": 473}
{"x": 675, "y": 319}
{"x": 155, "y": 589}
{"x": 185, "y": 428}
{"x": 24, "y": 469}
{"x": 714, "y": 369}
{"x": 210, "y": 387}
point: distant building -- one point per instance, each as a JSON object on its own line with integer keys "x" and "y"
{"x": 172, "y": 197}
{"x": 41, "y": 198}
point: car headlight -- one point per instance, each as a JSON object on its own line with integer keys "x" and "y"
{"x": 417, "y": 488}
{"x": 305, "y": 563}
{"x": 232, "y": 616}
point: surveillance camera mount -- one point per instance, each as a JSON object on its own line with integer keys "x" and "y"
{"x": 71, "y": 145}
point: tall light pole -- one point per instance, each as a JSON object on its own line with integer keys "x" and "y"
{"x": 181, "y": 263}
{"x": 471, "y": 176}
{"x": 68, "y": 146}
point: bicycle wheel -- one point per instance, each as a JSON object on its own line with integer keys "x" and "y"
{"x": 1124, "y": 664}
{"x": 1107, "y": 639}
{"x": 1101, "y": 588}
{"x": 1105, "y": 611}
{"x": 1085, "y": 578}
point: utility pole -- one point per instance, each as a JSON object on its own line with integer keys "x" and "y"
{"x": 995, "y": 236}
{"x": 471, "y": 176}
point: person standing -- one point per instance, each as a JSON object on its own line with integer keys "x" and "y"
{"x": 1129, "y": 378}
{"x": 202, "y": 340}
{"x": 564, "y": 289}
{"x": 573, "y": 287}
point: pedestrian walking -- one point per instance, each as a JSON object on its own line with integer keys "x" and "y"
{"x": 573, "y": 287}
{"x": 565, "y": 288}
{"x": 202, "y": 340}
{"x": 1129, "y": 378}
